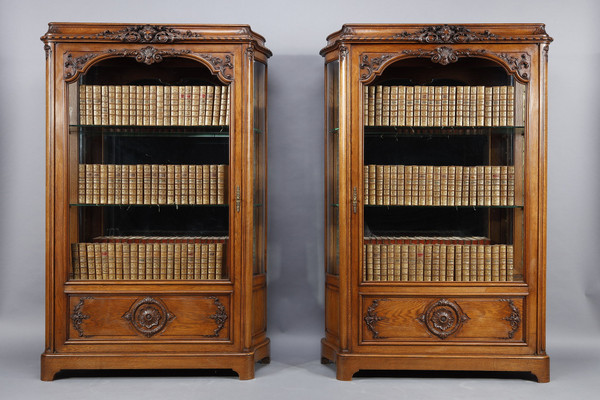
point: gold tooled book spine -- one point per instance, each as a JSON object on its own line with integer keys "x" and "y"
{"x": 459, "y": 105}
{"x": 126, "y": 259}
{"x": 174, "y": 105}
{"x": 156, "y": 261}
{"x": 451, "y": 185}
{"x": 458, "y": 195}
{"x": 465, "y": 185}
{"x": 428, "y": 102}
{"x": 397, "y": 262}
{"x": 372, "y": 184}
{"x": 435, "y": 262}
{"x": 162, "y": 184}
{"x": 480, "y": 263}
{"x": 134, "y": 260}
{"x": 119, "y": 105}
{"x": 191, "y": 259}
{"x": 487, "y": 263}
{"x": 384, "y": 262}
{"x": 166, "y": 105}
{"x": 170, "y": 260}
{"x": 487, "y": 186}
{"x": 89, "y": 183}
{"x": 75, "y": 261}
{"x": 163, "y": 259}
{"x": 404, "y": 253}
{"x": 124, "y": 170}
{"x": 488, "y": 106}
{"x": 444, "y": 116}
{"x": 427, "y": 262}
{"x": 139, "y": 105}
{"x": 146, "y": 183}
{"x": 366, "y": 185}
{"x": 204, "y": 261}
{"x": 221, "y": 183}
{"x": 450, "y": 262}
{"x": 202, "y": 105}
{"x": 437, "y": 107}
{"x": 119, "y": 261}
{"x": 177, "y": 261}
{"x": 480, "y": 119}
{"x": 437, "y": 186}
{"x": 409, "y": 106}
{"x": 152, "y": 105}
{"x": 390, "y": 261}
{"x": 132, "y": 171}
{"x": 466, "y": 108}
{"x": 139, "y": 190}
{"x": 378, "y": 105}
{"x": 197, "y": 260}
{"x": 176, "y": 184}
{"x": 386, "y": 185}
{"x": 160, "y": 107}
{"x": 495, "y": 263}
{"x": 183, "y": 264}
{"x": 444, "y": 185}
{"x": 185, "y": 171}
{"x": 205, "y": 184}
{"x": 81, "y": 183}
{"x": 496, "y": 106}
{"x": 376, "y": 262}
{"x": 371, "y": 111}
{"x": 496, "y": 185}
{"x": 473, "y": 263}
{"x": 503, "y": 186}
{"x": 385, "y": 106}
{"x": 379, "y": 184}
{"x": 394, "y": 106}
{"x": 183, "y": 106}
{"x": 400, "y": 185}
{"x": 473, "y": 106}
{"x": 408, "y": 184}
{"x": 199, "y": 184}
{"x": 105, "y": 99}
{"x": 502, "y": 263}
{"x": 132, "y": 105}
{"x": 365, "y": 104}
{"x": 502, "y": 106}
{"x": 466, "y": 263}
{"x": 216, "y": 105}
{"x": 104, "y": 260}
{"x": 220, "y": 247}
{"x": 401, "y": 106}
{"x": 210, "y": 97}
{"x": 195, "y": 106}
{"x": 89, "y": 105}
{"x": 213, "y": 184}
{"x": 510, "y": 106}
{"x": 393, "y": 179}
{"x": 223, "y": 111}
{"x": 509, "y": 263}
{"x": 417, "y": 105}
{"x": 97, "y": 104}
{"x": 103, "y": 183}
{"x": 415, "y": 185}
{"x": 443, "y": 261}
{"x": 510, "y": 176}
{"x": 368, "y": 249}
{"x": 480, "y": 185}
{"x": 191, "y": 184}
{"x": 458, "y": 263}
{"x": 451, "y": 106}
{"x": 154, "y": 173}
{"x": 110, "y": 186}
{"x": 429, "y": 185}
{"x": 412, "y": 262}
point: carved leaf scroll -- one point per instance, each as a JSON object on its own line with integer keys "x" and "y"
{"x": 514, "y": 318}
{"x": 445, "y": 34}
{"x": 372, "y": 65}
{"x": 371, "y": 318}
{"x": 220, "y": 317}
{"x": 77, "y": 317}
{"x": 148, "y": 34}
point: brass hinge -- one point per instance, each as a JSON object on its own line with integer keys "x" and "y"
{"x": 238, "y": 198}
{"x": 355, "y": 200}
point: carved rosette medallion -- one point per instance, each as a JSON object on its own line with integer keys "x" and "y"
{"x": 444, "y": 55}
{"x": 148, "y": 34}
{"x": 77, "y": 317}
{"x": 148, "y": 316}
{"x": 445, "y": 34}
{"x": 514, "y": 318}
{"x": 149, "y": 54}
{"x": 223, "y": 66}
{"x": 372, "y": 65}
{"x": 443, "y": 318}
{"x": 371, "y": 318}
{"x": 220, "y": 317}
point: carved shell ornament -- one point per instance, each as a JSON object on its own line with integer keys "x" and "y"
{"x": 148, "y": 316}
{"x": 443, "y": 318}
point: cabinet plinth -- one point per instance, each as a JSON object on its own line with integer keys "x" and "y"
{"x": 435, "y": 198}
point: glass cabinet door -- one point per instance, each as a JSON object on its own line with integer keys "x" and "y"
{"x": 259, "y": 167}
{"x": 443, "y": 173}
{"x": 149, "y": 172}
{"x": 332, "y": 232}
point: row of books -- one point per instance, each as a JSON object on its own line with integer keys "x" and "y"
{"x": 387, "y": 240}
{"x": 152, "y": 184}
{"x": 440, "y": 105}
{"x": 151, "y": 260}
{"x": 153, "y": 105}
{"x": 427, "y": 185}
{"x": 438, "y": 263}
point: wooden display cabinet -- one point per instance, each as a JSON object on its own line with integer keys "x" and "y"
{"x": 155, "y": 197}
{"x": 435, "y": 198}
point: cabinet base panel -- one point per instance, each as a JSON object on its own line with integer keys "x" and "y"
{"x": 241, "y": 363}
{"x": 347, "y": 364}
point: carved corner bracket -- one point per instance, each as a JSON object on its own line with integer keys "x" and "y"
{"x": 223, "y": 66}
{"x": 148, "y": 316}
{"x": 220, "y": 317}
{"x": 371, "y": 318}
{"x": 77, "y": 317}
{"x": 148, "y": 34}
{"x": 514, "y": 318}
{"x": 443, "y": 318}
{"x": 445, "y": 34}
{"x": 372, "y": 65}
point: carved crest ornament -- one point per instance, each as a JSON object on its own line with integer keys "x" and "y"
{"x": 148, "y": 34}
{"x": 445, "y": 34}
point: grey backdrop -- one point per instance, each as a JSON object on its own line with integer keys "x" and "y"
{"x": 295, "y": 32}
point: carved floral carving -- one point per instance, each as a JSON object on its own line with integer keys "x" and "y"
{"x": 371, "y": 318}
{"x": 445, "y": 34}
{"x": 148, "y": 316}
{"x": 444, "y": 55}
{"x": 149, "y": 54}
{"x": 219, "y": 317}
{"x": 520, "y": 64}
{"x": 372, "y": 65}
{"x": 73, "y": 65}
{"x": 77, "y": 317}
{"x": 148, "y": 34}
{"x": 443, "y": 318}
{"x": 223, "y": 65}
{"x": 514, "y": 318}
{"x": 343, "y": 52}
